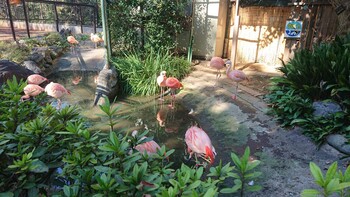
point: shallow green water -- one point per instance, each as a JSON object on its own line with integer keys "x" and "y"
{"x": 167, "y": 125}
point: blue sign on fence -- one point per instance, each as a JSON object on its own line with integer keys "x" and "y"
{"x": 293, "y": 29}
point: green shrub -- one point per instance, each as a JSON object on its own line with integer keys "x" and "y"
{"x": 285, "y": 103}
{"x": 48, "y": 152}
{"x": 320, "y": 74}
{"x": 333, "y": 182}
{"x": 138, "y": 74}
{"x": 139, "y": 25}
{"x": 12, "y": 51}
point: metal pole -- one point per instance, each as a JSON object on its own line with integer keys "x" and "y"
{"x": 235, "y": 36}
{"x": 26, "y": 17}
{"x": 81, "y": 20}
{"x": 94, "y": 17}
{"x": 56, "y": 17}
{"x": 105, "y": 30}
{"x": 10, "y": 18}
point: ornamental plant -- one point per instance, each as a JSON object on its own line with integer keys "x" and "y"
{"x": 49, "y": 152}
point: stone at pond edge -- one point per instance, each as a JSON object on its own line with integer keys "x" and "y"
{"x": 324, "y": 109}
{"x": 8, "y": 69}
{"x": 339, "y": 142}
{"x": 33, "y": 66}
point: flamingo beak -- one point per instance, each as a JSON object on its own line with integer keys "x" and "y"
{"x": 210, "y": 154}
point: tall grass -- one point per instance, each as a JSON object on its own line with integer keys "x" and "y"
{"x": 138, "y": 72}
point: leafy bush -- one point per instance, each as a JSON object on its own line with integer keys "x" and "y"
{"x": 321, "y": 74}
{"x": 139, "y": 24}
{"x": 12, "y": 51}
{"x": 138, "y": 74}
{"x": 286, "y": 104}
{"x": 46, "y": 152}
{"x": 334, "y": 182}
{"x": 55, "y": 38}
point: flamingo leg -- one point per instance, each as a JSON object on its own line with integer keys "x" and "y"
{"x": 234, "y": 96}
{"x": 161, "y": 93}
{"x": 58, "y": 104}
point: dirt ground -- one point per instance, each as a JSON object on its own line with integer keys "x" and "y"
{"x": 285, "y": 154}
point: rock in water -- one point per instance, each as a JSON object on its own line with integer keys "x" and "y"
{"x": 9, "y": 69}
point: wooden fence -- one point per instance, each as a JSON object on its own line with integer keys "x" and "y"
{"x": 261, "y": 31}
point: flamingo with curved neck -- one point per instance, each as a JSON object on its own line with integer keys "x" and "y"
{"x": 236, "y": 76}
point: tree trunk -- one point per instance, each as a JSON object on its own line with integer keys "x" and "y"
{"x": 342, "y": 8}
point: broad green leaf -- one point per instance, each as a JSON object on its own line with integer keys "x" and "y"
{"x": 317, "y": 174}
{"x": 310, "y": 193}
{"x": 38, "y": 167}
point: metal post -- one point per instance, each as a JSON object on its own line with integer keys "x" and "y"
{"x": 105, "y": 30}
{"x": 81, "y": 20}
{"x": 26, "y": 17}
{"x": 56, "y": 17}
{"x": 235, "y": 36}
{"x": 191, "y": 40}
{"x": 95, "y": 10}
{"x": 10, "y": 18}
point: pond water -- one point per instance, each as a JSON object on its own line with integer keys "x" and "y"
{"x": 167, "y": 125}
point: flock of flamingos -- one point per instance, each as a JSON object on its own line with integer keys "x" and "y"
{"x": 197, "y": 140}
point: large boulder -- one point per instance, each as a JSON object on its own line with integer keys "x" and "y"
{"x": 9, "y": 69}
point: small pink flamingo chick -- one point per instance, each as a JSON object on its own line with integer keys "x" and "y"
{"x": 36, "y": 79}
{"x": 57, "y": 91}
{"x": 31, "y": 90}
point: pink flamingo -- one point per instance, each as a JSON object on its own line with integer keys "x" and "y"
{"x": 72, "y": 41}
{"x": 56, "y": 90}
{"x": 199, "y": 143}
{"x": 173, "y": 84}
{"x": 161, "y": 79}
{"x": 31, "y": 90}
{"x": 236, "y": 76}
{"x": 218, "y": 64}
{"x": 95, "y": 39}
{"x": 36, "y": 79}
{"x": 148, "y": 148}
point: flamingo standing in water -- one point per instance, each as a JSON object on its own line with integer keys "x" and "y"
{"x": 31, "y": 90}
{"x": 56, "y": 90}
{"x": 95, "y": 39}
{"x": 218, "y": 64}
{"x": 72, "y": 41}
{"x": 236, "y": 76}
{"x": 161, "y": 79}
{"x": 173, "y": 84}
{"x": 148, "y": 148}
{"x": 199, "y": 143}
{"x": 36, "y": 79}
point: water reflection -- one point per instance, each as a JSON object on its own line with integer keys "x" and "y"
{"x": 167, "y": 124}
